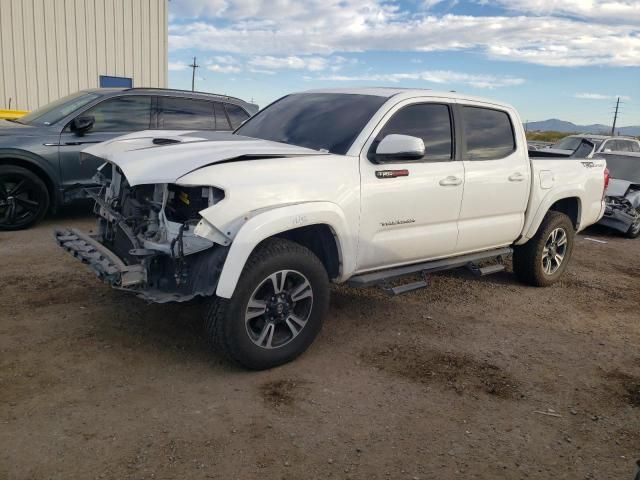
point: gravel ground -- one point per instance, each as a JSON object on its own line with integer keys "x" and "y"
{"x": 471, "y": 378}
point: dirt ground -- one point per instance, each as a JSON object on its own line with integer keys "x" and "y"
{"x": 471, "y": 378}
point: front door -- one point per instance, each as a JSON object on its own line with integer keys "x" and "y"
{"x": 410, "y": 207}
{"x": 114, "y": 117}
{"x": 497, "y": 179}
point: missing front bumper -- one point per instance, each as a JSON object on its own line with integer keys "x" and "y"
{"x": 158, "y": 278}
{"x": 106, "y": 264}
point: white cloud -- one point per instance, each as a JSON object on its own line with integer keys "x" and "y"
{"x": 620, "y": 11}
{"x": 311, "y": 63}
{"x": 433, "y": 76}
{"x": 214, "y": 67}
{"x": 599, "y": 96}
{"x": 579, "y": 34}
{"x": 177, "y": 66}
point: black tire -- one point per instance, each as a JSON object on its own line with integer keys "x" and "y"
{"x": 528, "y": 258}
{"x": 24, "y": 198}
{"x": 634, "y": 229}
{"x": 231, "y": 334}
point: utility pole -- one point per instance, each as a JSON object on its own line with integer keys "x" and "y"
{"x": 615, "y": 118}
{"x": 193, "y": 66}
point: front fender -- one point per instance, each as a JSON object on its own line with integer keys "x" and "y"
{"x": 282, "y": 219}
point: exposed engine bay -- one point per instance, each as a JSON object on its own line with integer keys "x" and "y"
{"x": 150, "y": 228}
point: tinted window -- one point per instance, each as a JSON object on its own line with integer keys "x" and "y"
{"x": 236, "y": 114}
{"x": 623, "y": 146}
{"x": 186, "y": 114}
{"x": 430, "y": 122}
{"x": 121, "y": 114}
{"x": 321, "y": 121}
{"x": 635, "y": 147}
{"x": 54, "y": 111}
{"x": 568, "y": 143}
{"x": 222, "y": 123}
{"x": 488, "y": 134}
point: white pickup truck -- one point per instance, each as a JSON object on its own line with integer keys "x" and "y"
{"x": 361, "y": 186}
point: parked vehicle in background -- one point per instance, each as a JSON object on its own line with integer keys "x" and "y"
{"x": 622, "y": 197}
{"x": 602, "y": 143}
{"x": 362, "y": 185}
{"x": 40, "y": 164}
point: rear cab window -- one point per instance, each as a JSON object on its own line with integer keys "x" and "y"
{"x": 488, "y": 133}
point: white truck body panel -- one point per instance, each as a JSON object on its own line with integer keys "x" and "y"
{"x": 439, "y": 210}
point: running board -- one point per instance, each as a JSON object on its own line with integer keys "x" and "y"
{"x": 384, "y": 276}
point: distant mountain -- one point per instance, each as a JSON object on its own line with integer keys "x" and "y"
{"x": 561, "y": 126}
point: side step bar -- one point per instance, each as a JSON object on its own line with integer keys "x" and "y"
{"x": 469, "y": 261}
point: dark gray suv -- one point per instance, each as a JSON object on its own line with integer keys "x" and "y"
{"x": 40, "y": 165}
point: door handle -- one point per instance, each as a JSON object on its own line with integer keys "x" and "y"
{"x": 451, "y": 181}
{"x": 516, "y": 177}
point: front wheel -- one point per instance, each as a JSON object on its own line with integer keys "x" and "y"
{"x": 542, "y": 260}
{"x": 24, "y": 198}
{"x": 276, "y": 310}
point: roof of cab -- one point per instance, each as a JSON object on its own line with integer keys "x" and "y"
{"x": 403, "y": 93}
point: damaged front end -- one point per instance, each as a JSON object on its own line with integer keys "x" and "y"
{"x": 145, "y": 241}
{"x": 622, "y": 210}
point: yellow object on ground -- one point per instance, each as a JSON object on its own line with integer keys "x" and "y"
{"x": 8, "y": 114}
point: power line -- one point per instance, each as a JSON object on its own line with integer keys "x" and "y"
{"x": 193, "y": 66}
{"x": 615, "y": 116}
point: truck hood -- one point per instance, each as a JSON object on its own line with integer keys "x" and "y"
{"x": 161, "y": 156}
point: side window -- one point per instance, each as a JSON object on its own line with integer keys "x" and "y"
{"x": 624, "y": 146}
{"x": 488, "y": 134}
{"x": 429, "y": 121}
{"x": 222, "y": 123}
{"x": 635, "y": 147}
{"x": 236, "y": 114}
{"x": 609, "y": 146}
{"x": 121, "y": 114}
{"x": 185, "y": 114}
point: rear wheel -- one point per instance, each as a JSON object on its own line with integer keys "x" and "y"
{"x": 24, "y": 198}
{"x": 542, "y": 260}
{"x": 276, "y": 310}
{"x": 634, "y": 229}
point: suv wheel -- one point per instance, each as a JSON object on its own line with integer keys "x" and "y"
{"x": 276, "y": 310}
{"x": 24, "y": 198}
{"x": 542, "y": 260}
{"x": 634, "y": 229}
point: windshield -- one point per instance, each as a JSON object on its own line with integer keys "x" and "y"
{"x": 568, "y": 143}
{"x": 321, "y": 121}
{"x": 54, "y": 111}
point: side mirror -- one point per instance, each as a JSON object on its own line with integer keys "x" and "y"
{"x": 400, "y": 147}
{"x": 81, "y": 125}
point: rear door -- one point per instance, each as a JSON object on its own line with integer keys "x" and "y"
{"x": 114, "y": 116}
{"x": 497, "y": 178}
{"x": 411, "y": 214}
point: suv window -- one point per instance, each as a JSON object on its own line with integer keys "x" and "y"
{"x": 429, "y": 121}
{"x": 177, "y": 113}
{"x": 635, "y": 147}
{"x": 622, "y": 146}
{"x": 488, "y": 133}
{"x": 121, "y": 114}
{"x": 236, "y": 114}
{"x": 222, "y": 122}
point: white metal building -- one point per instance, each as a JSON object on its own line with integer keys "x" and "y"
{"x": 51, "y": 48}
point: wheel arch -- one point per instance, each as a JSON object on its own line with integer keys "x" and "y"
{"x": 36, "y": 166}
{"x": 324, "y": 231}
{"x": 567, "y": 202}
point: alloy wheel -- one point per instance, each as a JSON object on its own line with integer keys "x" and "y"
{"x": 554, "y": 251}
{"x": 19, "y": 200}
{"x": 278, "y": 309}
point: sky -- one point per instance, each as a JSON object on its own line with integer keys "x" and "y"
{"x": 566, "y": 59}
